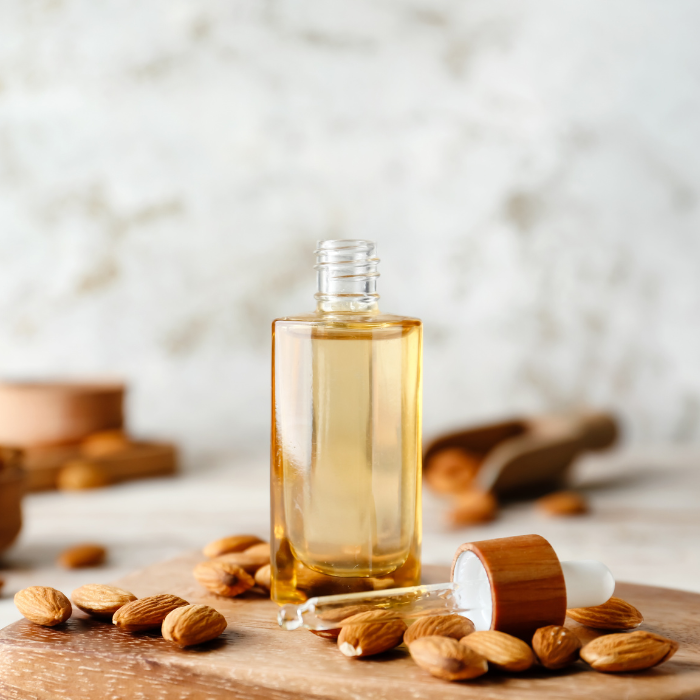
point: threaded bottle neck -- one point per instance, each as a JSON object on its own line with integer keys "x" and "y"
{"x": 347, "y": 276}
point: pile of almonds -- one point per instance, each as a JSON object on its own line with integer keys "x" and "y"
{"x": 179, "y": 621}
{"x": 86, "y": 472}
{"x": 237, "y": 564}
{"x": 448, "y": 647}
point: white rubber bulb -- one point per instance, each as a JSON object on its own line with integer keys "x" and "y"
{"x": 588, "y": 583}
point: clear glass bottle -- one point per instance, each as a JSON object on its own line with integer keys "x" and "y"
{"x": 346, "y": 437}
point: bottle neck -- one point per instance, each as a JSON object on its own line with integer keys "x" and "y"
{"x": 347, "y": 277}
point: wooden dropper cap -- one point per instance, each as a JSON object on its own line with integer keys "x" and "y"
{"x": 527, "y": 583}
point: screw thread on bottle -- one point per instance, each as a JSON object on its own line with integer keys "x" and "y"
{"x": 347, "y": 276}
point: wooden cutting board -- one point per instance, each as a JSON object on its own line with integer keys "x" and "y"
{"x": 255, "y": 659}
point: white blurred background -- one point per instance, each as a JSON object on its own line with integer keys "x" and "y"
{"x": 530, "y": 171}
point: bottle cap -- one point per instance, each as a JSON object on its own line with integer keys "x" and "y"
{"x": 518, "y": 584}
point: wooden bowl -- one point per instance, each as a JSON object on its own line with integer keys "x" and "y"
{"x": 43, "y": 413}
{"x": 11, "y": 490}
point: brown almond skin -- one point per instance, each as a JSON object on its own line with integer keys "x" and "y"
{"x": 261, "y": 549}
{"x": 446, "y": 658}
{"x": 101, "y": 601}
{"x": 226, "y": 545}
{"x": 82, "y": 555}
{"x": 636, "y": 651}
{"x": 263, "y": 577}
{"x": 146, "y": 613}
{"x": 80, "y": 474}
{"x": 452, "y": 470}
{"x": 556, "y": 647}
{"x": 338, "y": 615}
{"x": 473, "y": 507}
{"x": 43, "y": 605}
{"x": 249, "y": 562}
{"x": 454, "y": 626}
{"x": 106, "y": 442}
{"x": 193, "y": 624}
{"x": 370, "y": 633}
{"x": 501, "y": 650}
{"x": 562, "y": 504}
{"x": 616, "y": 614}
{"x": 223, "y": 578}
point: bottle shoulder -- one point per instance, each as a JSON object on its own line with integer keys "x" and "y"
{"x": 334, "y": 320}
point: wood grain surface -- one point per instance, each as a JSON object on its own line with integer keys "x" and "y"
{"x": 85, "y": 659}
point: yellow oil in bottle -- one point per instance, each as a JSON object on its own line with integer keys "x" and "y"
{"x": 345, "y": 454}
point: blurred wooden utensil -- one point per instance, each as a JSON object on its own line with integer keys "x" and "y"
{"x": 517, "y": 458}
{"x": 53, "y": 412}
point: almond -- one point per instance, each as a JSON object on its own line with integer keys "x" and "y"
{"x": 226, "y": 545}
{"x": 628, "y": 652}
{"x": 81, "y": 474}
{"x": 338, "y": 615}
{"x": 556, "y": 647}
{"x": 473, "y": 507}
{"x": 82, "y": 555}
{"x": 562, "y": 504}
{"x": 223, "y": 578}
{"x": 502, "y": 650}
{"x": 193, "y": 624}
{"x": 454, "y": 626}
{"x": 2, "y": 584}
{"x": 262, "y": 549}
{"x": 106, "y": 442}
{"x": 101, "y": 601}
{"x": 616, "y": 614}
{"x": 250, "y": 562}
{"x": 146, "y": 613}
{"x": 263, "y": 577}
{"x": 452, "y": 470}
{"x": 446, "y": 658}
{"x": 371, "y": 632}
{"x": 44, "y": 606}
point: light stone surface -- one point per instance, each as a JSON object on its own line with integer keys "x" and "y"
{"x": 644, "y": 521}
{"x": 529, "y": 169}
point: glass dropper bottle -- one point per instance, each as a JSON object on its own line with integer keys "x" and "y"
{"x": 513, "y": 584}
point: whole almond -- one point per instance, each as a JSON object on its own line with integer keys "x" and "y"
{"x": 473, "y": 507}
{"x": 454, "y": 626}
{"x": 43, "y": 606}
{"x": 338, "y": 615}
{"x": 262, "y": 549}
{"x": 81, "y": 474}
{"x": 446, "y": 658}
{"x": 263, "y": 577}
{"x": 616, "y": 614}
{"x": 82, "y": 555}
{"x": 226, "y": 545}
{"x": 562, "y": 504}
{"x": 556, "y": 647}
{"x": 250, "y": 562}
{"x": 502, "y": 650}
{"x": 2, "y": 584}
{"x": 106, "y": 442}
{"x": 146, "y": 613}
{"x": 193, "y": 624}
{"x": 636, "y": 651}
{"x": 452, "y": 470}
{"x": 369, "y": 633}
{"x": 101, "y": 601}
{"x": 223, "y": 578}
